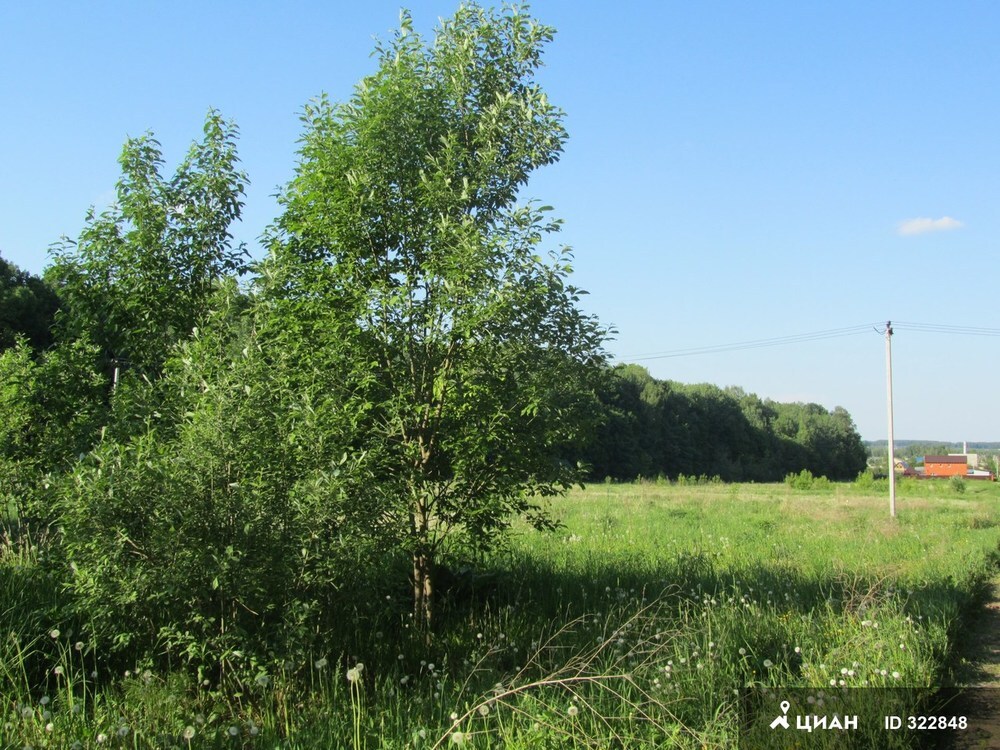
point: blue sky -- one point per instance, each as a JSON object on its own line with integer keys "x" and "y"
{"x": 735, "y": 171}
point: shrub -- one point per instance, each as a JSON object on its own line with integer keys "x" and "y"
{"x": 801, "y": 481}
{"x": 868, "y": 482}
{"x": 217, "y": 529}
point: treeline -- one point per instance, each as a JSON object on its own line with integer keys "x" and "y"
{"x": 662, "y": 428}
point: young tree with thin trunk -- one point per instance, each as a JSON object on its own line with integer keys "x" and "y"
{"x": 404, "y": 257}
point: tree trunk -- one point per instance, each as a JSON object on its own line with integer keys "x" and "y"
{"x": 423, "y": 590}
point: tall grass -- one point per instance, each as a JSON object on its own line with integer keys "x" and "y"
{"x": 635, "y": 625}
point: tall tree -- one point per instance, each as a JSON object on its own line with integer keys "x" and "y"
{"x": 142, "y": 273}
{"x": 403, "y": 254}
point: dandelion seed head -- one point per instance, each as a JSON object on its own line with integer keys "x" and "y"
{"x": 188, "y": 732}
{"x": 484, "y": 710}
{"x": 54, "y": 633}
{"x": 320, "y": 663}
{"x": 233, "y": 731}
{"x": 572, "y": 710}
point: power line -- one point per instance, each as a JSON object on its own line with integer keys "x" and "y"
{"x": 954, "y": 330}
{"x": 756, "y": 343}
{"x": 949, "y": 329}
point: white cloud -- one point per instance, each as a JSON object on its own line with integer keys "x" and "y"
{"x": 922, "y": 226}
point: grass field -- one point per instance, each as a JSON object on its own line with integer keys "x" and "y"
{"x": 636, "y": 625}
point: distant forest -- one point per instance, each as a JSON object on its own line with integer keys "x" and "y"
{"x": 663, "y": 428}
{"x": 931, "y": 447}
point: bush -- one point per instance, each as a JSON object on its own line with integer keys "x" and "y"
{"x": 805, "y": 480}
{"x": 802, "y": 481}
{"x": 868, "y": 482}
{"x": 51, "y": 408}
{"x": 957, "y": 484}
{"x": 221, "y": 529}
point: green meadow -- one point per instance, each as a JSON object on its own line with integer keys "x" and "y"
{"x": 637, "y": 623}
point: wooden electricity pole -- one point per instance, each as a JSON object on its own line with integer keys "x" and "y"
{"x": 892, "y": 456}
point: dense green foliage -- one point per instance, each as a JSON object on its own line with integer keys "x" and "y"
{"x": 662, "y": 428}
{"x": 403, "y": 254}
{"x": 52, "y": 406}
{"x": 211, "y": 525}
{"x": 406, "y": 371}
{"x": 142, "y": 272}
{"x": 27, "y": 307}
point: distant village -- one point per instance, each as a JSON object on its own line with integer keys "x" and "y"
{"x": 965, "y": 465}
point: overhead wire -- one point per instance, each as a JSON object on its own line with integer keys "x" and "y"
{"x": 755, "y": 343}
{"x": 949, "y": 329}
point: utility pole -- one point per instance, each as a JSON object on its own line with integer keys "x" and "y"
{"x": 892, "y": 455}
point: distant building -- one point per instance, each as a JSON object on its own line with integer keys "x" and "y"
{"x": 946, "y": 466}
{"x": 971, "y": 459}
